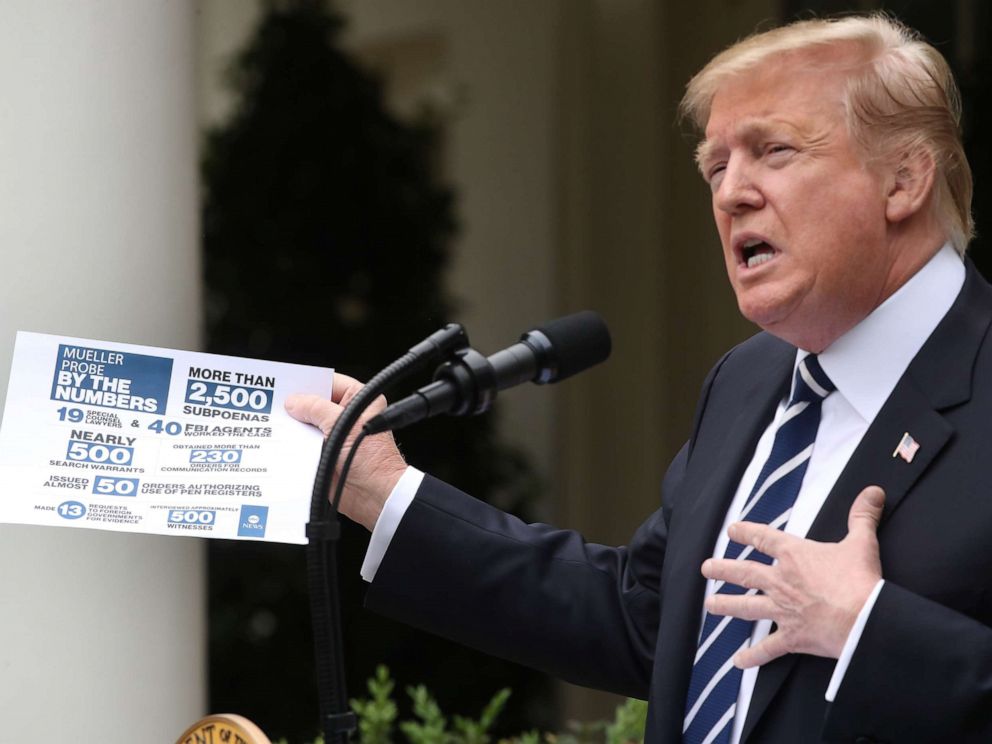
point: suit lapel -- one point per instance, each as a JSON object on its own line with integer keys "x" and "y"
{"x": 873, "y": 463}
{"x": 929, "y": 385}
{"x": 710, "y": 508}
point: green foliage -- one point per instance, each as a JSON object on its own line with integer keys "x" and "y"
{"x": 529, "y": 737}
{"x": 476, "y": 732}
{"x": 628, "y": 725}
{"x": 431, "y": 729}
{"x": 377, "y": 714}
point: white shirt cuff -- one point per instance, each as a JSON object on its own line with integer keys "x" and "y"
{"x": 840, "y": 669}
{"x": 392, "y": 512}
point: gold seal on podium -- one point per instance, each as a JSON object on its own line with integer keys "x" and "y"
{"x": 223, "y": 728}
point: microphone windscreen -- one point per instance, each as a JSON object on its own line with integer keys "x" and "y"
{"x": 580, "y": 341}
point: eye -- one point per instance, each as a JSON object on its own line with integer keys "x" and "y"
{"x": 777, "y": 149}
{"x": 714, "y": 172}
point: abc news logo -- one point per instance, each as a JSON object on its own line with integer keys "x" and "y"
{"x": 251, "y": 522}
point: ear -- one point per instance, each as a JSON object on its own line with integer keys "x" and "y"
{"x": 912, "y": 184}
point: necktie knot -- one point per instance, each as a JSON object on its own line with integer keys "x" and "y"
{"x": 812, "y": 383}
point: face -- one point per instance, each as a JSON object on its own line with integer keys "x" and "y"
{"x": 801, "y": 217}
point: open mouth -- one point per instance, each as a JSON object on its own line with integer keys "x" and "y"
{"x": 754, "y": 252}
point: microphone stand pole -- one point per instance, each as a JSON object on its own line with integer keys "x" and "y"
{"x": 324, "y": 531}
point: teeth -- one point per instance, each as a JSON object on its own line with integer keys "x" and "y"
{"x": 752, "y": 242}
{"x": 759, "y": 258}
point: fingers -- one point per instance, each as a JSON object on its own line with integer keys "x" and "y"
{"x": 323, "y": 413}
{"x": 765, "y": 539}
{"x": 769, "y": 649}
{"x": 320, "y": 412}
{"x": 744, "y": 606}
{"x": 312, "y": 409}
{"x": 751, "y": 575}
{"x": 748, "y": 574}
{"x": 344, "y": 388}
{"x": 866, "y": 511}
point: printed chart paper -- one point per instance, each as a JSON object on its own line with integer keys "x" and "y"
{"x": 129, "y": 438}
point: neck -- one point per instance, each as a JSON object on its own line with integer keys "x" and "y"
{"x": 909, "y": 256}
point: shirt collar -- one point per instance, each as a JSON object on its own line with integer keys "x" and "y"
{"x": 866, "y": 362}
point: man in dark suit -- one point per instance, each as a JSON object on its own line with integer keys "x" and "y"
{"x": 846, "y": 443}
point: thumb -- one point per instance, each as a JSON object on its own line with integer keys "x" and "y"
{"x": 312, "y": 409}
{"x": 866, "y": 511}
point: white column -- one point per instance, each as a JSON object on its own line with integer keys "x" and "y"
{"x": 102, "y": 635}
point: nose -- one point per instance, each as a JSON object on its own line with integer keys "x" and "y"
{"x": 736, "y": 191}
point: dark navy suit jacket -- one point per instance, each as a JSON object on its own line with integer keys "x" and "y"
{"x": 627, "y": 619}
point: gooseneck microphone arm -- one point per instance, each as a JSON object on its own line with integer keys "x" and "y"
{"x": 323, "y": 531}
{"x": 468, "y": 384}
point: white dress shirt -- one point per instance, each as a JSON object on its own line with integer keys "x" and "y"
{"x": 864, "y": 364}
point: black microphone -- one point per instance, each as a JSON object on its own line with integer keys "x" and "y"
{"x": 552, "y": 352}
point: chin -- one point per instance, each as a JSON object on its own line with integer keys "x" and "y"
{"x": 772, "y": 304}
{"x": 773, "y": 319}
{"x": 763, "y": 314}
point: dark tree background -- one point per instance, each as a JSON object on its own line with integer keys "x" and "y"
{"x": 960, "y": 31}
{"x": 326, "y": 233}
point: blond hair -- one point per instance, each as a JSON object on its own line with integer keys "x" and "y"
{"x": 901, "y": 99}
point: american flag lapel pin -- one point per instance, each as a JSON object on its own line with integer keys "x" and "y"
{"x": 907, "y": 448}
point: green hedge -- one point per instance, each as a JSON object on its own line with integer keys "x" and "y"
{"x": 377, "y": 722}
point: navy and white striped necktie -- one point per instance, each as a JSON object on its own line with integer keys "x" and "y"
{"x": 715, "y": 681}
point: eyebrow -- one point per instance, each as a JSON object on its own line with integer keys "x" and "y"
{"x": 704, "y": 153}
{"x": 747, "y": 130}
